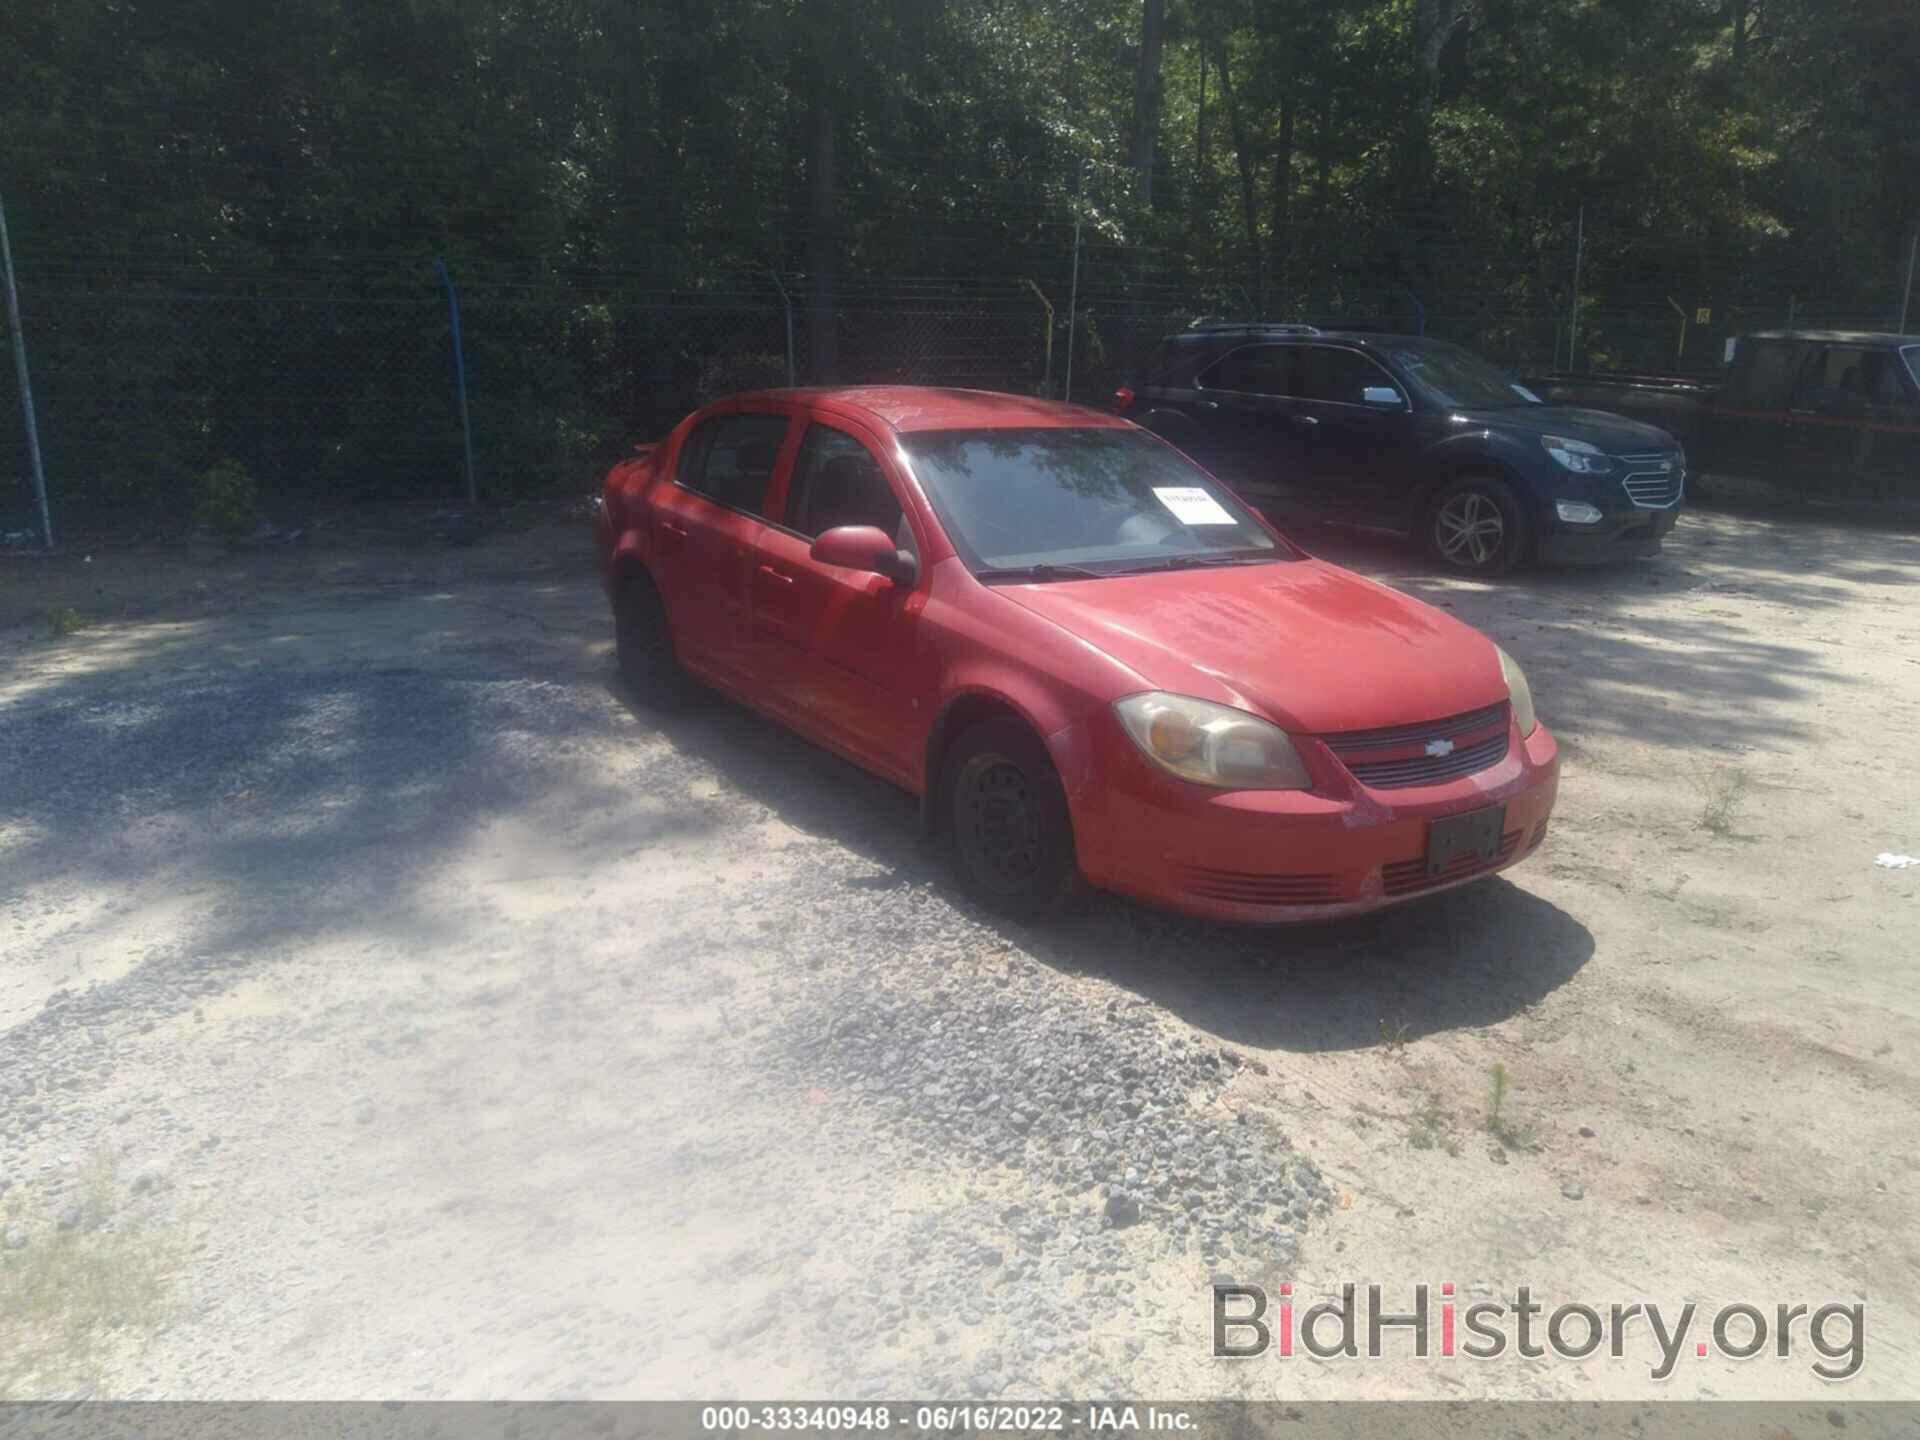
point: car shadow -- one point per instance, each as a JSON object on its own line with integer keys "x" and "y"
{"x": 1463, "y": 958}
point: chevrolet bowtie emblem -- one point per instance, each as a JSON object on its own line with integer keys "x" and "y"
{"x": 1437, "y": 748}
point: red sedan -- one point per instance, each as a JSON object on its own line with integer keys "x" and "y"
{"x": 1091, "y": 662}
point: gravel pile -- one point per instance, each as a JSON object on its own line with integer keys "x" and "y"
{"x": 1105, "y": 1143}
{"x": 1106, "y": 1105}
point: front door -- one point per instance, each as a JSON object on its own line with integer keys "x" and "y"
{"x": 835, "y": 648}
{"x": 1357, "y": 437}
{"x": 707, "y": 525}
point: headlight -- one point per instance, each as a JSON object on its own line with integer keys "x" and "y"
{"x": 1211, "y": 744}
{"x": 1577, "y": 455}
{"x": 1518, "y": 692}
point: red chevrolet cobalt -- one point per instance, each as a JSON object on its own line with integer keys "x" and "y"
{"x": 1091, "y": 662}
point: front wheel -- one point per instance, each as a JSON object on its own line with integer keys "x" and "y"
{"x": 1476, "y": 526}
{"x": 1007, "y": 823}
{"x": 644, "y": 640}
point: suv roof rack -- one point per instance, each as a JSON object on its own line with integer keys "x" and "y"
{"x": 1263, "y": 327}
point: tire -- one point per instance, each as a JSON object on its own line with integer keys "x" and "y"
{"x": 1476, "y": 526}
{"x": 1004, "y": 817}
{"x": 644, "y": 642}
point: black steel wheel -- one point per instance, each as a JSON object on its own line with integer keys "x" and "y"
{"x": 1007, "y": 821}
{"x": 644, "y": 640}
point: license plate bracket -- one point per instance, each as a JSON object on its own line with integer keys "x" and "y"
{"x": 1476, "y": 833}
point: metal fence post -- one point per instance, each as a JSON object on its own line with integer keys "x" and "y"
{"x": 1573, "y": 319}
{"x": 1419, "y": 310}
{"x": 1680, "y": 350}
{"x": 26, "y": 383}
{"x": 1046, "y": 384}
{"x": 460, "y": 376}
{"x": 786, "y": 303}
{"x": 1907, "y": 294}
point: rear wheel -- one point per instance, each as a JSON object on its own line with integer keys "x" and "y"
{"x": 1476, "y": 526}
{"x": 644, "y": 640}
{"x": 1006, "y": 822}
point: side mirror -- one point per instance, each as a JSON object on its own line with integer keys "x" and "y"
{"x": 1385, "y": 397}
{"x": 865, "y": 547}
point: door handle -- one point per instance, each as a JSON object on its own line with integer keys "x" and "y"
{"x": 1307, "y": 420}
{"x": 1206, "y": 404}
{"x": 773, "y": 574}
{"x": 678, "y": 532}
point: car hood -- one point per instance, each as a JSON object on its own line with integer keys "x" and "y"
{"x": 1315, "y": 648}
{"x": 1615, "y": 434}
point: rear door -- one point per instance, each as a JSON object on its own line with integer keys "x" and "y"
{"x": 707, "y": 525}
{"x": 1244, "y": 409}
{"x": 837, "y": 649}
{"x": 1354, "y": 426}
{"x": 1750, "y": 421}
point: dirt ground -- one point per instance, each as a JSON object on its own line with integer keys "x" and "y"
{"x": 430, "y": 1022}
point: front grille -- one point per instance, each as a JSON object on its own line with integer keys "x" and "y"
{"x": 1650, "y": 487}
{"x": 1431, "y": 769}
{"x": 1241, "y": 887}
{"x": 1396, "y": 757}
{"x": 1403, "y": 877}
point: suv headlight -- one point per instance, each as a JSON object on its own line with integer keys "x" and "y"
{"x": 1211, "y": 744}
{"x": 1519, "y": 693}
{"x": 1577, "y": 455}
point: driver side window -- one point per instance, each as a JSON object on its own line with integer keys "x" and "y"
{"x": 838, "y": 481}
{"x": 1343, "y": 377}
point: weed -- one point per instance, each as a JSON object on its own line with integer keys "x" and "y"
{"x": 1723, "y": 790}
{"x": 63, "y": 621}
{"x": 1432, "y": 1128}
{"x": 66, "y": 1293}
{"x": 1394, "y": 1037}
{"x": 227, "y": 501}
{"x": 1499, "y": 1124}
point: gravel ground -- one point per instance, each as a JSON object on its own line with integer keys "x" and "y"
{"x": 438, "y": 1025}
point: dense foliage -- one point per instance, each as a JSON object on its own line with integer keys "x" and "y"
{"x": 586, "y": 166}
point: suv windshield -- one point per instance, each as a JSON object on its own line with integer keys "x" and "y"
{"x": 1449, "y": 375}
{"x": 1101, "y": 501}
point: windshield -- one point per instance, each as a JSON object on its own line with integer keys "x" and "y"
{"x": 1107, "y": 500}
{"x": 1459, "y": 378}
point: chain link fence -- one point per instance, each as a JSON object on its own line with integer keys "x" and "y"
{"x": 341, "y": 388}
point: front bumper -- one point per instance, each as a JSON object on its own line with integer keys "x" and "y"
{"x": 1284, "y": 857}
{"x": 1622, "y": 535}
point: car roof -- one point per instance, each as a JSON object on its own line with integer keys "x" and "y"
{"x": 906, "y": 408}
{"x": 1856, "y": 337}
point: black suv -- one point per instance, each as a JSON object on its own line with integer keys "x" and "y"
{"x": 1410, "y": 434}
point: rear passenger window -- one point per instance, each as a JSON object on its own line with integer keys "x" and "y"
{"x": 1767, "y": 376}
{"x": 730, "y": 459}
{"x": 1255, "y": 370}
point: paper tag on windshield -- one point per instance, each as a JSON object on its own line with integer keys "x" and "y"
{"x": 1192, "y": 506}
